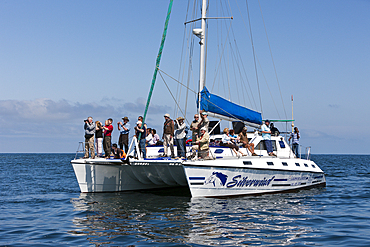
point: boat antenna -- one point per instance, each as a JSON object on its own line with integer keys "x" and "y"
{"x": 157, "y": 64}
{"x": 292, "y": 115}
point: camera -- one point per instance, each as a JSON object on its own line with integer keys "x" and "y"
{"x": 85, "y": 120}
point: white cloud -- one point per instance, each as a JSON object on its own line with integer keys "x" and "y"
{"x": 45, "y": 118}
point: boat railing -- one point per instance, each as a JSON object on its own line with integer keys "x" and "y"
{"x": 80, "y": 149}
{"x": 308, "y": 152}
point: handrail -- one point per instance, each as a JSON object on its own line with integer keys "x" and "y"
{"x": 80, "y": 144}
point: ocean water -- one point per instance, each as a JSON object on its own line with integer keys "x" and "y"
{"x": 41, "y": 205}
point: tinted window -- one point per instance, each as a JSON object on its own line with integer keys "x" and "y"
{"x": 261, "y": 145}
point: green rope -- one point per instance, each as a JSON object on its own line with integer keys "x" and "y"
{"x": 157, "y": 64}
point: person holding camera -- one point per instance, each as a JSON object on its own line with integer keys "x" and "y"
{"x": 99, "y": 138}
{"x": 124, "y": 133}
{"x": 89, "y": 138}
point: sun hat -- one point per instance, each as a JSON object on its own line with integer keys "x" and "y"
{"x": 167, "y": 115}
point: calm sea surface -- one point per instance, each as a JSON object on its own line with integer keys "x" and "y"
{"x": 40, "y": 205}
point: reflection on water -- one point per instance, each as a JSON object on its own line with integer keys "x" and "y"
{"x": 145, "y": 218}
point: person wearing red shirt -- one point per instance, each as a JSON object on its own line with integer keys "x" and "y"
{"x": 108, "y": 128}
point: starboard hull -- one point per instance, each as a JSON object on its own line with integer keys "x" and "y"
{"x": 251, "y": 176}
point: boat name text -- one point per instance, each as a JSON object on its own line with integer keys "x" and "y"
{"x": 238, "y": 181}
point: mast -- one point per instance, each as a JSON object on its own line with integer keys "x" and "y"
{"x": 201, "y": 34}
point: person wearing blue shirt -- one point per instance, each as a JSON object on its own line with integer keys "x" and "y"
{"x": 295, "y": 143}
{"x": 124, "y": 133}
{"x": 266, "y": 136}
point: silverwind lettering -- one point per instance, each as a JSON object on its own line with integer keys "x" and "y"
{"x": 238, "y": 181}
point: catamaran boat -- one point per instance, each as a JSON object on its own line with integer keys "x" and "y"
{"x": 224, "y": 174}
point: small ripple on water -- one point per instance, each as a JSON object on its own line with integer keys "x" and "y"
{"x": 42, "y": 206}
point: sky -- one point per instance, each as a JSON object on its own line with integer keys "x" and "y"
{"x": 62, "y": 61}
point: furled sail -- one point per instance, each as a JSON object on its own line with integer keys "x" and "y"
{"x": 220, "y": 106}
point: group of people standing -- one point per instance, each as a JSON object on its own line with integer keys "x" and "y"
{"x": 101, "y": 134}
{"x": 174, "y": 132}
{"x": 103, "y": 137}
{"x": 266, "y": 135}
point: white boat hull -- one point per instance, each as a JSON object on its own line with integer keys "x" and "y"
{"x": 101, "y": 175}
{"x": 250, "y": 175}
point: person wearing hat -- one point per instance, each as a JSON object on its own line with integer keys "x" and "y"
{"x": 202, "y": 145}
{"x": 140, "y": 130}
{"x": 204, "y": 122}
{"x": 124, "y": 133}
{"x": 194, "y": 128}
{"x": 89, "y": 138}
{"x": 180, "y": 136}
{"x": 168, "y": 129}
{"x": 244, "y": 139}
{"x": 266, "y": 136}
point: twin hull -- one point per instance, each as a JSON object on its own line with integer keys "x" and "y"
{"x": 215, "y": 178}
{"x": 100, "y": 175}
{"x": 251, "y": 176}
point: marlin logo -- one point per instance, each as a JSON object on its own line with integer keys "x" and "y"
{"x": 216, "y": 175}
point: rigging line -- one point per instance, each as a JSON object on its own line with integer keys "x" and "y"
{"x": 246, "y": 76}
{"x": 254, "y": 55}
{"x": 169, "y": 90}
{"x": 245, "y": 25}
{"x": 249, "y": 34}
{"x": 178, "y": 94}
{"x": 222, "y": 54}
{"x": 239, "y": 60}
{"x": 158, "y": 60}
{"x": 277, "y": 111}
{"x": 181, "y": 54}
{"x": 233, "y": 35}
{"x": 191, "y": 49}
{"x": 228, "y": 74}
{"x": 235, "y": 78}
{"x": 273, "y": 62}
{"x": 177, "y": 81}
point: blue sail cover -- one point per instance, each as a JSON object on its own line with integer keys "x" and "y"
{"x": 218, "y": 105}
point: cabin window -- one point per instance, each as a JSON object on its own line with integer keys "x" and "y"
{"x": 305, "y": 165}
{"x": 219, "y": 151}
{"x": 247, "y": 162}
{"x": 161, "y": 150}
{"x": 297, "y": 164}
{"x": 313, "y": 166}
{"x": 282, "y": 144}
{"x": 270, "y": 163}
{"x": 285, "y": 164}
{"x": 261, "y": 145}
